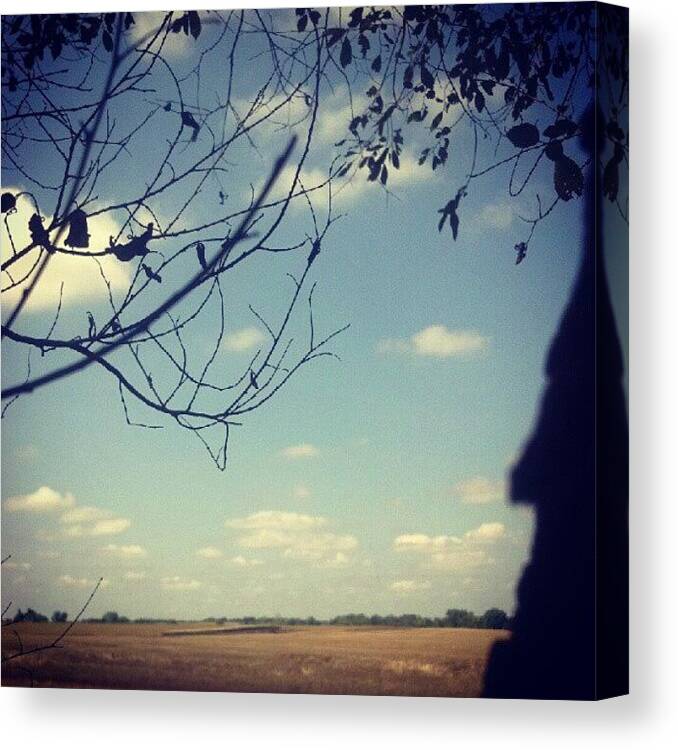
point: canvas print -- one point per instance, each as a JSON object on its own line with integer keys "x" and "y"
{"x": 314, "y": 350}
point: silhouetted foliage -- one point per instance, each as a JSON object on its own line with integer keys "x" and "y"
{"x": 59, "y": 616}
{"x": 494, "y": 90}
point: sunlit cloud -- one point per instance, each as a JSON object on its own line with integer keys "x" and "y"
{"x": 43, "y": 500}
{"x": 243, "y": 340}
{"x": 436, "y": 341}
{"x": 452, "y": 553}
{"x": 78, "y": 279}
{"x": 296, "y": 536}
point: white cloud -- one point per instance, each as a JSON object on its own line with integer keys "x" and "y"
{"x": 43, "y": 500}
{"x": 486, "y": 532}
{"x": 125, "y": 550}
{"x": 409, "y": 586}
{"x": 303, "y": 450}
{"x": 452, "y": 553}
{"x": 242, "y": 340}
{"x": 146, "y": 25}
{"x": 178, "y": 583}
{"x": 135, "y": 576}
{"x": 277, "y": 519}
{"x": 436, "y": 341}
{"x": 296, "y": 535}
{"x": 81, "y": 276}
{"x": 479, "y": 490}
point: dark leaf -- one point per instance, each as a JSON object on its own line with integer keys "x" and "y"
{"x": 568, "y": 178}
{"x": 346, "y": 53}
{"x": 524, "y": 135}
{"x": 200, "y": 250}
{"x": 333, "y": 36}
{"x": 302, "y": 23}
{"x": 426, "y": 77}
{"x": 376, "y": 64}
{"x": 107, "y": 40}
{"x": 194, "y": 23}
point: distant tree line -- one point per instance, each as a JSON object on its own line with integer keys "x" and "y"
{"x": 493, "y": 619}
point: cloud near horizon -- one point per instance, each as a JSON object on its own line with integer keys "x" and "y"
{"x": 295, "y": 536}
{"x": 436, "y": 341}
{"x": 452, "y": 553}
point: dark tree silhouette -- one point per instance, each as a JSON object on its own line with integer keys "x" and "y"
{"x": 146, "y": 342}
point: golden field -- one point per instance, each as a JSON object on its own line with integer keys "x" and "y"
{"x": 308, "y": 659}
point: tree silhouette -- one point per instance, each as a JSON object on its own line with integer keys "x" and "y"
{"x": 494, "y": 92}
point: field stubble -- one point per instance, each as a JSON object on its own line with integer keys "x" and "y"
{"x": 318, "y": 659}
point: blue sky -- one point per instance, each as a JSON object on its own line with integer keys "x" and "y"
{"x": 375, "y": 483}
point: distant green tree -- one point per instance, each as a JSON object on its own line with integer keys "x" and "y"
{"x": 460, "y": 618}
{"x": 59, "y": 616}
{"x": 30, "y": 615}
{"x": 495, "y": 619}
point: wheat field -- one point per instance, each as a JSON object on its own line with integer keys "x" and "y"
{"x": 306, "y": 659}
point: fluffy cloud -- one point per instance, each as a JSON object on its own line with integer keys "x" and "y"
{"x": 277, "y": 520}
{"x": 81, "y": 276}
{"x": 436, "y": 341}
{"x": 76, "y": 520}
{"x": 479, "y": 490}
{"x": 209, "y": 553}
{"x": 452, "y": 553}
{"x": 43, "y": 500}
{"x": 486, "y": 532}
{"x": 296, "y": 535}
{"x": 409, "y": 586}
{"x": 178, "y": 583}
{"x": 125, "y": 550}
{"x": 243, "y": 340}
{"x": 303, "y": 450}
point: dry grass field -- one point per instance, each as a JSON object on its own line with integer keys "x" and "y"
{"x": 322, "y": 659}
